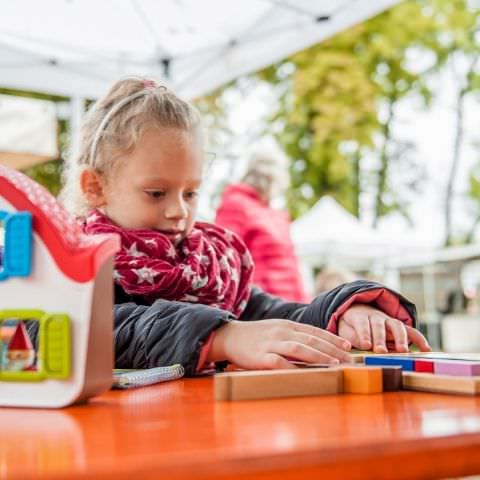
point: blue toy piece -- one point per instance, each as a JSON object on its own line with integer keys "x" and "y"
{"x": 407, "y": 364}
{"x": 16, "y": 259}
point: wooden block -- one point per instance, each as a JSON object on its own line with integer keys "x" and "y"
{"x": 457, "y": 367}
{"x": 221, "y": 387}
{"x": 426, "y": 382}
{"x": 423, "y": 365}
{"x": 255, "y": 385}
{"x": 362, "y": 379}
{"x": 359, "y": 357}
{"x": 392, "y": 378}
{"x": 405, "y": 363}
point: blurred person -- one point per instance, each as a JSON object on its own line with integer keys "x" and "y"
{"x": 246, "y": 209}
{"x": 330, "y": 277}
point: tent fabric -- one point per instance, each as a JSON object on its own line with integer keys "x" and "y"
{"x": 329, "y": 234}
{"x": 28, "y": 131}
{"x": 327, "y": 226}
{"x": 77, "y": 48}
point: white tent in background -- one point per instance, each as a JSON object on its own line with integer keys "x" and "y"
{"x": 329, "y": 234}
{"x": 28, "y": 131}
{"x": 77, "y": 48}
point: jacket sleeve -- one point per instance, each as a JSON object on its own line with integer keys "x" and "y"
{"x": 326, "y": 309}
{"x": 164, "y": 333}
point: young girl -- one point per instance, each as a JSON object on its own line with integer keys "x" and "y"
{"x": 182, "y": 288}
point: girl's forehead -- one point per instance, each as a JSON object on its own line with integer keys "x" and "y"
{"x": 171, "y": 156}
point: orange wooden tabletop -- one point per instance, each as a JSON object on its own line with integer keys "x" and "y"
{"x": 176, "y": 430}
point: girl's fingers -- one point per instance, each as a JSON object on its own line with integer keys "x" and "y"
{"x": 322, "y": 334}
{"x": 322, "y": 346}
{"x": 399, "y": 333}
{"x": 304, "y": 353}
{"x": 273, "y": 361}
{"x": 418, "y": 339}
{"x": 359, "y": 320}
{"x": 379, "y": 334}
{"x": 347, "y": 332}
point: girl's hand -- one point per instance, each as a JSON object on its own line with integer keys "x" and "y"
{"x": 266, "y": 344}
{"x": 369, "y": 329}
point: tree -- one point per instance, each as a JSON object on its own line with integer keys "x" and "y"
{"x": 339, "y": 108}
{"x": 461, "y": 50}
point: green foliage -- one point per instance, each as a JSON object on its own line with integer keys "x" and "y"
{"x": 338, "y": 103}
{"x": 47, "y": 174}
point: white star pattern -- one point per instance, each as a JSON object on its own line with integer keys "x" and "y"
{"x": 247, "y": 260}
{"x": 204, "y": 260}
{"x": 230, "y": 253}
{"x": 219, "y": 285}
{"x": 92, "y": 218}
{"x": 151, "y": 241}
{"x": 132, "y": 251}
{"x": 228, "y": 235}
{"x": 224, "y": 265}
{"x": 117, "y": 275}
{"x": 199, "y": 282}
{"x": 187, "y": 271}
{"x": 234, "y": 275}
{"x": 145, "y": 274}
{"x": 171, "y": 253}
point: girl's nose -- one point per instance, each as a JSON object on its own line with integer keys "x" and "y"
{"x": 176, "y": 209}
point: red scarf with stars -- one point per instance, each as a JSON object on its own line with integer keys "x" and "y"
{"x": 211, "y": 265}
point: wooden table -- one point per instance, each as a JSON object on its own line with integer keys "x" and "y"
{"x": 176, "y": 430}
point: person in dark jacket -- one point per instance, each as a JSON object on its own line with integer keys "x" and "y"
{"x": 183, "y": 288}
{"x": 246, "y": 209}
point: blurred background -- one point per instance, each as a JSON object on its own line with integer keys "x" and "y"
{"x": 376, "y": 105}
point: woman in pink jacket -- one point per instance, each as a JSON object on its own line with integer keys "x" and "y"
{"x": 246, "y": 209}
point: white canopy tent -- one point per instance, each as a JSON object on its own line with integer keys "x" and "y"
{"x": 28, "y": 131}
{"x": 329, "y": 234}
{"x": 77, "y": 48}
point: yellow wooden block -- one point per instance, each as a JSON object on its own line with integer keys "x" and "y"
{"x": 259, "y": 384}
{"x": 362, "y": 379}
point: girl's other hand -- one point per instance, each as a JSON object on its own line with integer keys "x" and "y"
{"x": 268, "y": 344}
{"x": 367, "y": 328}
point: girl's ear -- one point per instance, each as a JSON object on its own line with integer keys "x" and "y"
{"x": 93, "y": 186}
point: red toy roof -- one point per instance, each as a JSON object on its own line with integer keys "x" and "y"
{"x": 78, "y": 255}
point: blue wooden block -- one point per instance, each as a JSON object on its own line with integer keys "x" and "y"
{"x": 407, "y": 364}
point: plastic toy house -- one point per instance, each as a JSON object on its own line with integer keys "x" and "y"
{"x": 56, "y": 287}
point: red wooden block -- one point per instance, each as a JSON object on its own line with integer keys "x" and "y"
{"x": 423, "y": 366}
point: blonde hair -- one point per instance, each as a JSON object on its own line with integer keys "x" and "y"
{"x": 267, "y": 172}
{"x": 114, "y": 125}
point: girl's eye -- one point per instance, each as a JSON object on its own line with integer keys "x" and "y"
{"x": 191, "y": 195}
{"x": 155, "y": 193}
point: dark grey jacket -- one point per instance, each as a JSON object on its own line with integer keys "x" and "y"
{"x": 169, "y": 332}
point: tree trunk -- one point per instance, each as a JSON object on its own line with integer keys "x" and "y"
{"x": 459, "y": 132}
{"x": 383, "y": 171}
{"x": 459, "y": 112}
{"x": 356, "y": 185}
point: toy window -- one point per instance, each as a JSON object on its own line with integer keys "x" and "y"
{"x": 15, "y": 244}
{"x": 34, "y": 346}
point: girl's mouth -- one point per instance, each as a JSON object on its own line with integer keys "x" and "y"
{"x": 173, "y": 235}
